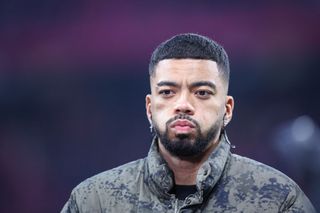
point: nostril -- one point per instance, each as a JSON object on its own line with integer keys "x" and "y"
{"x": 185, "y": 107}
{"x": 184, "y": 111}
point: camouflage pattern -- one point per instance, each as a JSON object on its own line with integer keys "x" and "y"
{"x": 225, "y": 183}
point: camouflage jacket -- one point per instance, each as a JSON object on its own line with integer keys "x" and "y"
{"x": 225, "y": 183}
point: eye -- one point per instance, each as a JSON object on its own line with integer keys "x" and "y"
{"x": 166, "y": 93}
{"x": 204, "y": 94}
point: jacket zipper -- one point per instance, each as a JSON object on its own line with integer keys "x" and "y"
{"x": 176, "y": 206}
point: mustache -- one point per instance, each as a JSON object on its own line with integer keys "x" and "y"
{"x": 184, "y": 117}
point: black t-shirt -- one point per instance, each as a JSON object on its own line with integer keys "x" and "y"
{"x": 183, "y": 191}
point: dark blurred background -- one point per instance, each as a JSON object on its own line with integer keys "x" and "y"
{"x": 73, "y": 78}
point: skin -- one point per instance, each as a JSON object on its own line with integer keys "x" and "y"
{"x": 194, "y": 87}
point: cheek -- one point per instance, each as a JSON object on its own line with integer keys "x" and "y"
{"x": 160, "y": 112}
{"x": 209, "y": 114}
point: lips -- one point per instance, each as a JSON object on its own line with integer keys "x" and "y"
{"x": 182, "y": 125}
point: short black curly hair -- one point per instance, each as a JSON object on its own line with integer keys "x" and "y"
{"x": 193, "y": 46}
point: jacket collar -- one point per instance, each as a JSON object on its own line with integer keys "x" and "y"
{"x": 160, "y": 177}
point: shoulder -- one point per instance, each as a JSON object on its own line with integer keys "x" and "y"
{"x": 107, "y": 188}
{"x": 121, "y": 173}
{"x": 256, "y": 183}
{"x": 114, "y": 177}
{"x": 246, "y": 168}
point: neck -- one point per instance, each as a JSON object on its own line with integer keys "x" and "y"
{"x": 185, "y": 169}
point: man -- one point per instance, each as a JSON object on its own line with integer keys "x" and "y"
{"x": 189, "y": 167}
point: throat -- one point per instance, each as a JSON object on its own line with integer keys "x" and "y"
{"x": 183, "y": 191}
{"x": 182, "y": 177}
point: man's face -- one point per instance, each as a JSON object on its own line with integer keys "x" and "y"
{"x": 187, "y": 105}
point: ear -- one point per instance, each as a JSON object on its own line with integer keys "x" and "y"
{"x": 148, "y": 108}
{"x": 229, "y": 109}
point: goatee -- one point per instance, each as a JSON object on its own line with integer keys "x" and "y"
{"x": 187, "y": 145}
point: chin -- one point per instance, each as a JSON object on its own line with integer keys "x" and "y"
{"x": 184, "y": 139}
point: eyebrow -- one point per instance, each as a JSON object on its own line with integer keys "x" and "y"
{"x": 167, "y": 83}
{"x": 204, "y": 83}
{"x": 194, "y": 84}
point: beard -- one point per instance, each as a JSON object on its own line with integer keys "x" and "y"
{"x": 187, "y": 145}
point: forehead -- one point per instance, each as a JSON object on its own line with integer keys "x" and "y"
{"x": 186, "y": 69}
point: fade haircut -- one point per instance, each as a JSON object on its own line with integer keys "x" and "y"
{"x": 191, "y": 46}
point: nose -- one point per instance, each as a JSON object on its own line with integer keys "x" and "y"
{"x": 183, "y": 105}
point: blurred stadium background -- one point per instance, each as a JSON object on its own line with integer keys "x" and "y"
{"x": 73, "y": 77}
